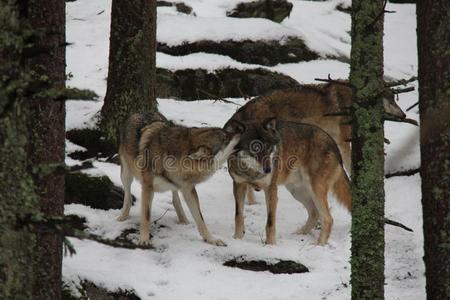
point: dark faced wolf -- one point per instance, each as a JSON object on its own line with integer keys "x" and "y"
{"x": 164, "y": 156}
{"x": 303, "y": 158}
{"x": 317, "y": 104}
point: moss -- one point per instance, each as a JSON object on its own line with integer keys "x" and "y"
{"x": 268, "y": 53}
{"x": 366, "y": 76}
{"x": 95, "y": 192}
{"x": 93, "y": 140}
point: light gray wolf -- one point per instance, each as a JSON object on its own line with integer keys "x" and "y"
{"x": 168, "y": 157}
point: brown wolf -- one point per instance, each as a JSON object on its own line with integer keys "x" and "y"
{"x": 313, "y": 104}
{"x": 164, "y": 156}
{"x": 303, "y": 158}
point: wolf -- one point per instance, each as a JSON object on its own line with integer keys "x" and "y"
{"x": 303, "y": 158}
{"x": 324, "y": 105}
{"x": 168, "y": 157}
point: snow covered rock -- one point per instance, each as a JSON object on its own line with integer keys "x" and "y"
{"x": 275, "y": 10}
{"x": 195, "y": 84}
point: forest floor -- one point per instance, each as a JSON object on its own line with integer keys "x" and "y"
{"x": 182, "y": 266}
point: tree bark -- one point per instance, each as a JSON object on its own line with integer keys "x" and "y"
{"x": 433, "y": 39}
{"x": 132, "y": 64}
{"x": 17, "y": 197}
{"x": 46, "y": 147}
{"x": 366, "y": 78}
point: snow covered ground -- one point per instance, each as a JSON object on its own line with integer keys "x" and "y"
{"x": 183, "y": 266}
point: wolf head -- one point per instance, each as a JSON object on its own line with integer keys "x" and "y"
{"x": 215, "y": 142}
{"x": 256, "y": 148}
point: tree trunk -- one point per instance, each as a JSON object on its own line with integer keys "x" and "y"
{"x": 47, "y": 125}
{"x": 433, "y": 38}
{"x": 17, "y": 198}
{"x": 366, "y": 78}
{"x": 132, "y": 64}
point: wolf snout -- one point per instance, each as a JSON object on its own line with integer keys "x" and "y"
{"x": 267, "y": 170}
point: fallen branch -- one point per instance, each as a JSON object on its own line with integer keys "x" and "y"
{"x": 404, "y": 90}
{"x": 400, "y": 120}
{"x": 397, "y": 224}
{"x": 409, "y": 172}
{"x": 337, "y": 114}
{"x": 63, "y": 226}
{"x": 329, "y": 80}
{"x": 412, "y": 106}
{"x": 400, "y": 82}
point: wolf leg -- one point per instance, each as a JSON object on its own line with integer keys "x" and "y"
{"x": 146, "y": 211}
{"x": 127, "y": 179}
{"x": 182, "y": 219}
{"x": 305, "y": 197}
{"x": 250, "y": 195}
{"x": 271, "y": 194}
{"x": 191, "y": 198}
{"x": 239, "y": 190}
{"x": 321, "y": 202}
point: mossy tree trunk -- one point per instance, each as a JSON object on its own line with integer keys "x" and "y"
{"x": 433, "y": 37}
{"x": 366, "y": 78}
{"x": 46, "y": 147}
{"x": 132, "y": 64}
{"x": 17, "y": 197}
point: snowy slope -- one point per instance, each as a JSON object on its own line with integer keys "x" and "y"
{"x": 184, "y": 267}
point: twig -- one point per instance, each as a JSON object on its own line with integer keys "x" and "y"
{"x": 343, "y": 82}
{"x": 400, "y": 120}
{"x": 404, "y": 90}
{"x": 381, "y": 13}
{"x": 397, "y": 224}
{"x": 215, "y": 97}
{"x": 400, "y": 82}
{"x": 409, "y": 172}
{"x": 412, "y": 106}
{"x": 154, "y": 222}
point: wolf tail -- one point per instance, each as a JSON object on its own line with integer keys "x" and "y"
{"x": 341, "y": 189}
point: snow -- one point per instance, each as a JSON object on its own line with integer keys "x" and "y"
{"x": 182, "y": 266}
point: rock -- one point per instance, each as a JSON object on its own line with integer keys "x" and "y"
{"x": 196, "y": 84}
{"x": 90, "y": 290}
{"x": 267, "y": 53}
{"x": 281, "y": 267}
{"x": 93, "y": 141}
{"x": 95, "y": 192}
{"x": 181, "y": 7}
{"x": 275, "y": 10}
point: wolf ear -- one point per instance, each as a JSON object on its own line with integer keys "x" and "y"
{"x": 200, "y": 153}
{"x": 270, "y": 124}
{"x": 234, "y": 126}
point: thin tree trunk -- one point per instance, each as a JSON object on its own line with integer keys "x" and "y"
{"x": 433, "y": 38}
{"x": 132, "y": 64}
{"x": 366, "y": 77}
{"x": 47, "y": 125}
{"x": 17, "y": 198}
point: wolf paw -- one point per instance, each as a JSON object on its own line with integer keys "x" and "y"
{"x": 122, "y": 218}
{"x": 239, "y": 234}
{"x": 216, "y": 242}
{"x": 144, "y": 242}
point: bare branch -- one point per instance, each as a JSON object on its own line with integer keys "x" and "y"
{"x": 401, "y": 82}
{"x": 404, "y": 90}
{"x": 412, "y": 106}
{"x": 400, "y": 120}
{"x": 409, "y": 172}
{"x": 343, "y": 82}
{"x": 397, "y": 224}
